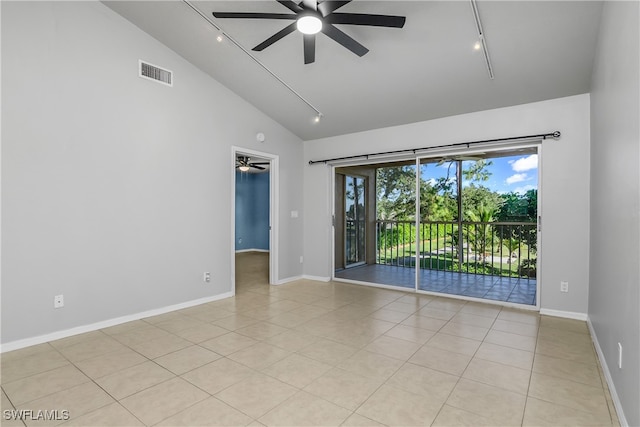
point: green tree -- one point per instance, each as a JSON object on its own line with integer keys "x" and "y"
{"x": 512, "y": 246}
{"x": 480, "y": 233}
{"x": 440, "y": 204}
{"x": 437, "y": 200}
{"x": 477, "y": 170}
{"x": 395, "y": 187}
{"x": 521, "y": 208}
{"x": 476, "y": 196}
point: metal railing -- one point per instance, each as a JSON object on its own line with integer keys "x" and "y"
{"x": 355, "y": 241}
{"x": 489, "y": 248}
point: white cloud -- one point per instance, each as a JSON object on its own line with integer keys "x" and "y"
{"x": 525, "y": 163}
{"x": 432, "y": 182}
{"x": 519, "y": 177}
{"x": 524, "y": 189}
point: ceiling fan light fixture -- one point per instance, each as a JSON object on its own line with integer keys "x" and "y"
{"x": 309, "y": 24}
{"x": 244, "y": 168}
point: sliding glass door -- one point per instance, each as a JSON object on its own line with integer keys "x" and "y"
{"x": 460, "y": 225}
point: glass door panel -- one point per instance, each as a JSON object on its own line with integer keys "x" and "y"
{"x": 439, "y": 225}
{"x": 396, "y": 218}
{"x": 355, "y": 220}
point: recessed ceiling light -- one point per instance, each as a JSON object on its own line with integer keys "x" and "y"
{"x": 477, "y": 46}
{"x": 309, "y": 24}
{"x": 219, "y": 38}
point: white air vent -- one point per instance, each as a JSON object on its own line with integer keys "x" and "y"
{"x": 155, "y": 73}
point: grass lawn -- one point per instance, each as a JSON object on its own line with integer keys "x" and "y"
{"x": 404, "y": 255}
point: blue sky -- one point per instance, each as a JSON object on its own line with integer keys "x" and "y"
{"x": 508, "y": 174}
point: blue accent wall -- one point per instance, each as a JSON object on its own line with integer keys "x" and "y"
{"x": 252, "y": 211}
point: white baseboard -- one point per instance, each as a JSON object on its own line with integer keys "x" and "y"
{"x": 287, "y": 280}
{"x": 607, "y": 375}
{"x": 373, "y": 285}
{"x": 239, "y": 251}
{"x": 565, "y": 314}
{"x": 27, "y": 342}
{"x": 316, "y": 278}
{"x": 304, "y": 276}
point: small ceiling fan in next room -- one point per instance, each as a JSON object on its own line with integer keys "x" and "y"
{"x": 312, "y": 17}
{"x": 244, "y": 163}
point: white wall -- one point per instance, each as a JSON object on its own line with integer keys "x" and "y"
{"x": 564, "y": 192}
{"x": 115, "y": 189}
{"x": 614, "y": 291}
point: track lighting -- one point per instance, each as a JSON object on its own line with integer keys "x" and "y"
{"x": 222, "y": 36}
{"x": 317, "y": 118}
{"x": 482, "y": 41}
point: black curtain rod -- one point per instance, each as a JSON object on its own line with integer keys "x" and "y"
{"x": 554, "y": 135}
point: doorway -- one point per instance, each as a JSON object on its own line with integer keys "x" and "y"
{"x": 254, "y": 248}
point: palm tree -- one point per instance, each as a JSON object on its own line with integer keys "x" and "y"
{"x": 480, "y": 233}
{"x": 511, "y": 245}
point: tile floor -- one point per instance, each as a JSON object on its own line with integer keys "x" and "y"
{"x": 496, "y": 288}
{"x": 311, "y": 353}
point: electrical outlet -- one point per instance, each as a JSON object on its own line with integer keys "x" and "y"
{"x": 564, "y": 286}
{"x": 301, "y": 259}
{"x": 58, "y": 301}
{"x": 207, "y": 277}
{"x": 619, "y": 356}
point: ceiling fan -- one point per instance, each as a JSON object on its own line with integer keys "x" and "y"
{"x": 244, "y": 163}
{"x": 312, "y": 17}
{"x": 463, "y": 158}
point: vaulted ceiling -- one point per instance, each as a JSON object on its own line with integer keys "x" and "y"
{"x": 428, "y": 69}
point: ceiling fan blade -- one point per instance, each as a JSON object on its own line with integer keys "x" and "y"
{"x": 257, "y": 167}
{"x": 344, "y": 40}
{"x": 245, "y": 15}
{"x": 367, "y": 19}
{"x": 277, "y": 36}
{"x": 326, "y": 7}
{"x": 260, "y": 163}
{"x": 292, "y": 6}
{"x": 309, "y": 41}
